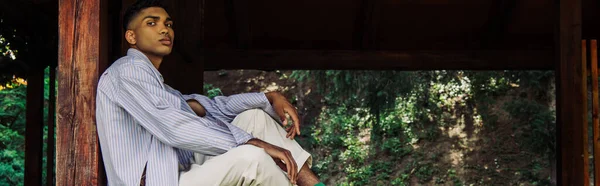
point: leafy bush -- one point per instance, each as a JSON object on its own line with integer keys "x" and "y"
{"x": 12, "y": 131}
{"x": 372, "y": 117}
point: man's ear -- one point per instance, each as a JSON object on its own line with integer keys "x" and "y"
{"x": 130, "y": 37}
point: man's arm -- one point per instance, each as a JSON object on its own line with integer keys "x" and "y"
{"x": 143, "y": 97}
{"x": 282, "y": 107}
{"x": 227, "y": 108}
{"x": 196, "y": 107}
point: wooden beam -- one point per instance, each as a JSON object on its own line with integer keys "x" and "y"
{"x": 365, "y": 26}
{"x": 569, "y": 100}
{"x": 584, "y": 123}
{"x": 499, "y": 16}
{"x": 238, "y": 19}
{"x": 595, "y": 110}
{"x": 34, "y": 127}
{"x": 377, "y": 60}
{"x": 80, "y": 55}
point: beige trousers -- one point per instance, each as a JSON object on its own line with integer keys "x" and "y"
{"x": 247, "y": 164}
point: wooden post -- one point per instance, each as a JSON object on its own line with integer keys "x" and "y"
{"x": 595, "y": 109}
{"x": 79, "y": 56}
{"x": 586, "y": 159}
{"x": 34, "y": 127}
{"x": 569, "y": 112}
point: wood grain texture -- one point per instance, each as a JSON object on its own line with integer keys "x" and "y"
{"x": 595, "y": 109}
{"x": 376, "y": 60}
{"x": 569, "y": 98}
{"x": 586, "y": 159}
{"x": 366, "y": 24}
{"x": 77, "y": 156}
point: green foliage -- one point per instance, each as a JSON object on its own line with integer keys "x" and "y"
{"x": 12, "y": 130}
{"x": 533, "y": 173}
{"x": 376, "y": 90}
{"x": 401, "y": 181}
{"x": 425, "y": 172}
{"x": 396, "y": 148}
{"x": 372, "y": 119}
{"x": 451, "y": 173}
{"x": 211, "y": 91}
{"x": 12, "y": 108}
{"x": 12, "y": 133}
{"x": 539, "y": 135}
{"x": 359, "y": 175}
{"x": 12, "y": 157}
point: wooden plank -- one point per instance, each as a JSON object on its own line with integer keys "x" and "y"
{"x": 366, "y": 24}
{"x": 377, "y": 60}
{"x": 50, "y": 181}
{"x": 595, "y": 110}
{"x": 34, "y": 127}
{"x": 586, "y": 159}
{"x": 237, "y": 13}
{"x": 568, "y": 100}
{"x": 499, "y": 18}
{"x": 79, "y": 55}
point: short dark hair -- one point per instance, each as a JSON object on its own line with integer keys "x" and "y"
{"x": 137, "y": 7}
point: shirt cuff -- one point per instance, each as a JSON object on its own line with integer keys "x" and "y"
{"x": 270, "y": 110}
{"x": 241, "y": 136}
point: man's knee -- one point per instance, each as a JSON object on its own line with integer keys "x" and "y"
{"x": 251, "y": 113}
{"x": 253, "y": 120}
{"x": 252, "y": 154}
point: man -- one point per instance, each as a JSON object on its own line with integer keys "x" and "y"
{"x": 148, "y": 131}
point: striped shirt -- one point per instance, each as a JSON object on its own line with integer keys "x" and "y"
{"x": 143, "y": 122}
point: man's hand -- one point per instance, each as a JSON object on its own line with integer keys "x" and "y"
{"x": 282, "y": 106}
{"x": 279, "y": 154}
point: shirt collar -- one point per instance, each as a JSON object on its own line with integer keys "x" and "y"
{"x": 138, "y": 54}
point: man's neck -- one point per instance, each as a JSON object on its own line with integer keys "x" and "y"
{"x": 156, "y": 60}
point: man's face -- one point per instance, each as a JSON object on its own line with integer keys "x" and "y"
{"x": 152, "y": 32}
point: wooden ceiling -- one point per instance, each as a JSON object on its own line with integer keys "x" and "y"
{"x": 363, "y": 25}
{"x": 266, "y": 34}
{"x": 370, "y": 24}
{"x": 379, "y": 25}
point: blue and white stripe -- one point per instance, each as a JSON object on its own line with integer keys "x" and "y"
{"x": 142, "y": 121}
